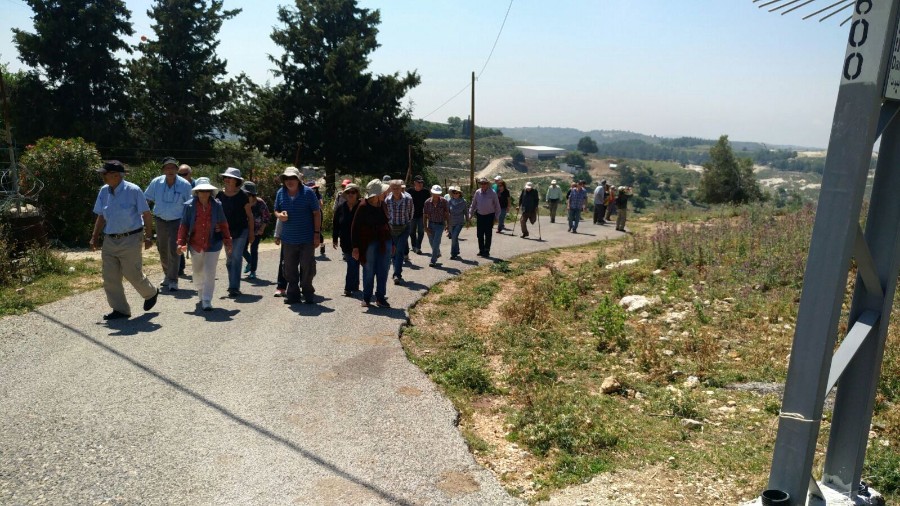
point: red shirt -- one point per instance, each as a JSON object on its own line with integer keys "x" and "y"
{"x": 199, "y": 240}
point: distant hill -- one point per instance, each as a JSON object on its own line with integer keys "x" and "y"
{"x": 568, "y": 138}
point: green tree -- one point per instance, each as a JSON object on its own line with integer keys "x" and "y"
{"x": 575, "y": 159}
{"x": 587, "y": 145}
{"x": 30, "y": 115}
{"x": 177, "y": 84}
{"x": 518, "y": 156}
{"x": 331, "y": 109}
{"x": 72, "y": 54}
{"x": 727, "y": 179}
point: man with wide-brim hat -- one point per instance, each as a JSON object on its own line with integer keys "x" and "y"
{"x": 123, "y": 217}
{"x": 167, "y": 194}
{"x": 486, "y": 209}
{"x": 297, "y": 208}
{"x": 236, "y": 204}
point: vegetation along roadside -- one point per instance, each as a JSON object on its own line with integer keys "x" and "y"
{"x": 570, "y": 363}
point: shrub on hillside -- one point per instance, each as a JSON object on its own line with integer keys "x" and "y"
{"x": 65, "y": 166}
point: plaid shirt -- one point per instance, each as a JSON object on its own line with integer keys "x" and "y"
{"x": 436, "y": 211}
{"x": 399, "y": 211}
{"x": 577, "y": 198}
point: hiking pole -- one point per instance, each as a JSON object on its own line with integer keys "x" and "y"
{"x": 515, "y": 220}
{"x": 538, "y": 211}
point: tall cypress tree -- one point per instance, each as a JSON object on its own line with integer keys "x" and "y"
{"x": 331, "y": 108}
{"x": 72, "y": 52}
{"x": 178, "y": 84}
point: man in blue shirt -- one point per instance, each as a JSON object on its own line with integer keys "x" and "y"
{"x": 122, "y": 214}
{"x": 297, "y": 208}
{"x": 168, "y": 193}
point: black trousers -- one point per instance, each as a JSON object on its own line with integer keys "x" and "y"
{"x": 599, "y": 211}
{"x": 484, "y": 230}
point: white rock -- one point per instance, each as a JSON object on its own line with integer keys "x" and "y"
{"x": 634, "y": 302}
{"x": 657, "y": 272}
{"x": 691, "y": 424}
{"x": 622, "y": 263}
{"x": 668, "y": 353}
{"x": 610, "y": 385}
{"x": 71, "y": 269}
{"x": 692, "y": 382}
{"x": 644, "y": 314}
{"x": 675, "y": 316}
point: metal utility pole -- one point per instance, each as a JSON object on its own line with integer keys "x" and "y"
{"x": 867, "y": 104}
{"x": 472, "y": 140}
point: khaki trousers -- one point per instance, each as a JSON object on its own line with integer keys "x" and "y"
{"x": 122, "y": 258}
{"x": 620, "y": 219}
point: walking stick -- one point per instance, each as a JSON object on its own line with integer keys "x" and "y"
{"x": 516, "y": 220}
{"x": 539, "y": 222}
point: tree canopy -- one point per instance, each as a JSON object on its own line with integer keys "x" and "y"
{"x": 330, "y": 109}
{"x": 727, "y": 179}
{"x": 76, "y": 80}
{"x": 587, "y": 145}
{"x": 178, "y": 83}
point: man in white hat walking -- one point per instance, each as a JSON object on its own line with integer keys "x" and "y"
{"x": 554, "y": 195}
{"x": 528, "y": 204}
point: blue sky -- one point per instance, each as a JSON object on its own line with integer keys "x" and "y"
{"x": 661, "y": 67}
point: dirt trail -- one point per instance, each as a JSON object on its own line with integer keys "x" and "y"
{"x": 493, "y": 167}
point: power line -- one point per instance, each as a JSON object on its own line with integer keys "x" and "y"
{"x": 482, "y": 68}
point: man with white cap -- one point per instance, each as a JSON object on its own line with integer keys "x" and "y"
{"x": 528, "y": 204}
{"x": 122, "y": 214}
{"x": 297, "y": 207}
{"x": 600, "y": 203}
{"x": 437, "y": 214}
{"x": 554, "y": 195}
{"x": 167, "y": 194}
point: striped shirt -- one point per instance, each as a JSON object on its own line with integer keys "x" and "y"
{"x": 399, "y": 211}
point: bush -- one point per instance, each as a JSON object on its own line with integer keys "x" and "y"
{"x": 70, "y": 185}
{"x": 608, "y": 322}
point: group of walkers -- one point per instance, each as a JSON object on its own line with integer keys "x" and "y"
{"x": 375, "y": 229}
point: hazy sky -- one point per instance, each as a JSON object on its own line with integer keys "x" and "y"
{"x": 664, "y": 67}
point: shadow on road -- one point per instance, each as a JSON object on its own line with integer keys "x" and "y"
{"x": 227, "y": 412}
{"x": 316, "y": 309}
{"x": 132, "y": 326}
{"x": 215, "y": 315}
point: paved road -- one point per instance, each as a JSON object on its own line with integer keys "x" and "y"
{"x": 254, "y": 403}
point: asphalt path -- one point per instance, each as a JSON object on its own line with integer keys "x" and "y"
{"x": 256, "y": 402}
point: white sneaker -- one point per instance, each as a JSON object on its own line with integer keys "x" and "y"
{"x": 205, "y": 305}
{"x": 164, "y": 282}
{"x": 173, "y": 286}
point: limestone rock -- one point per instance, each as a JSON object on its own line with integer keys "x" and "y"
{"x": 610, "y": 385}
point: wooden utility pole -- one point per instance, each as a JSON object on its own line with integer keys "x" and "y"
{"x": 472, "y": 141}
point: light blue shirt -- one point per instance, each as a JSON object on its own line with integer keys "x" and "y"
{"x": 121, "y": 209}
{"x": 168, "y": 201}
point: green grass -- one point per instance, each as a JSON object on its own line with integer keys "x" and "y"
{"x": 733, "y": 277}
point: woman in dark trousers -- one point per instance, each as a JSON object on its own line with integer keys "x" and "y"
{"x": 342, "y": 226}
{"x": 503, "y": 196}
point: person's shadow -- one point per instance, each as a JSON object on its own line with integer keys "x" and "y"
{"x": 396, "y": 313}
{"x": 133, "y": 326}
{"x": 303, "y": 309}
{"x": 215, "y": 314}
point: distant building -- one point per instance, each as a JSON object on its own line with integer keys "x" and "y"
{"x": 541, "y": 152}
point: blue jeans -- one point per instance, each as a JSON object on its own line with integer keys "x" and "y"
{"x": 251, "y": 253}
{"x": 454, "y": 236}
{"x": 502, "y": 220}
{"x": 234, "y": 262}
{"x": 375, "y": 271}
{"x": 351, "y": 279}
{"x": 574, "y": 218}
{"x": 417, "y": 231}
{"x": 401, "y": 242}
{"x": 437, "y": 231}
